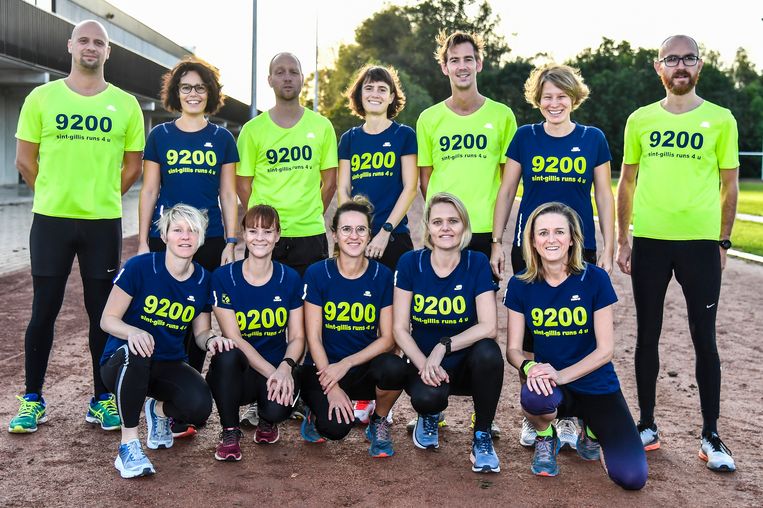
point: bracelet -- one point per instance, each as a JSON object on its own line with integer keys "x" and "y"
{"x": 496, "y": 240}
{"x": 206, "y": 344}
{"x": 231, "y": 239}
{"x": 527, "y": 365}
{"x": 291, "y": 363}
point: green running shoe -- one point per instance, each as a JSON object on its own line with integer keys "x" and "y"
{"x": 31, "y": 412}
{"x": 104, "y": 412}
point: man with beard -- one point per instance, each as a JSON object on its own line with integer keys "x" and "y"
{"x": 288, "y": 161}
{"x": 684, "y": 151}
{"x": 79, "y": 146}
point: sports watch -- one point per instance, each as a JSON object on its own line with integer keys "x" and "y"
{"x": 445, "y": 341}
{"x": 725, "y": 244}
{"x": 388, "y": 227}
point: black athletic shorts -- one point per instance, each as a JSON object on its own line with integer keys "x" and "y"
{"x": 301, "y": 252}
{"x": 54, "y": 241}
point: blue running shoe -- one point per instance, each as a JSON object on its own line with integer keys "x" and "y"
{"x": 307, "y": 429}
{"x": 425, "y": 432}
{"x": 378, "y": 433}
{"x": 483, "y": 456}
{"x": 31, "y": 412}
{"x": 131, "y": 462}
{"x": 159, "y": 432}
{"x": 587, "y": 447}
{"x": 544, "y": 458}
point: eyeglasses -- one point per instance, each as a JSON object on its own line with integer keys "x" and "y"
{"x": 688, "y": 60}
{"x": 185, "y": 89}
{"x": 346, "y": 231}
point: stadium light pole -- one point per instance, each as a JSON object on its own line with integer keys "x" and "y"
{"x": 315, "y": 100}
{"x": 253, "y": 106}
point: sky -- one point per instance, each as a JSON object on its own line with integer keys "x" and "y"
{"x": 561, "y": 28}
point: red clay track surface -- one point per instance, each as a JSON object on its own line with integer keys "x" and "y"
{"x": 70, "y": 463}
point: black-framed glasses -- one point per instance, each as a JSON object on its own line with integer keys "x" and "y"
{"x": 346, "y": 231}
{"x": 185, "y": 89}
{"x": 688, "y": 60}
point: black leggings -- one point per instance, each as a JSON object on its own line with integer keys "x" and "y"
{"x": 697, "y": 267}
{"x": 208, "y": 256}
{"x": 38, "y": 341}
{"x": 131, "y": 377}
{"x": 385, "y": 372}
{"x": 235, "y": 383}
{"x": 479, "y": 374}
{"x": 609, "y": 419}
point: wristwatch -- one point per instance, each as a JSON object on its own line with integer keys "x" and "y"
{"x": 291, "y": 363}
{"x": 496, "y": 240}
{"x": 725, "y": 244}
{"x": 388, "y": 227}
{"x": 445, "y": 341}
{"x": 232, "y": 239}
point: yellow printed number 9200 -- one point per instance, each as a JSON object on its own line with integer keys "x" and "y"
{"x": 195, "y": 157}
{"x": 166, "y": 308}
{"x": 442, "y": 306}
{"x": 345, "y": 311}
{"x": 559, "y": 317}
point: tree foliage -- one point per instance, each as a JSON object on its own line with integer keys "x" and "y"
{"x": 621, "y": 77}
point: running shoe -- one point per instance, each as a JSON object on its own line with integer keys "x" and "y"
{"x": 567, "y": 431}
{"x": 298, "y": 412}
{"x": 495, "y": 430}
{"x": 229, "y": 447}
{"x": 650, "y": 436}
{"x": 483, "y": 456}
{"x": 266, "y": 432}
{"x": 380, "y": 437}
{"x": 425, "y": 432}
{"x": 717, "y": 455}
{"x": 363, "y": 410}
{"x": 307, "y": 429}
{"x": 104, "y": 412}
{"x": 441, "y": 422}
{"x": 250, "y": 418}
{"x": 587, "y": 447}
{"x": 182, "y": 430}
{"x": 159, "y": 433}
{"x": 527, "y": 435}
{"x": 544, "y": 458}
{"x": 131, "y": 462}
{"x": 31, "y": 412}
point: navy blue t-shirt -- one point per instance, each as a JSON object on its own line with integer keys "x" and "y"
{"x": 351, "y": 307}
{"x": 558, "y": 169}
{"x": 161, "y": 305}
{"x": 376, "y": 169}
{"x": 443, "y": 306}
{"x": 190, "y": 164}
{"x": 561, "y": 321}
{"x": 262, "y": 312}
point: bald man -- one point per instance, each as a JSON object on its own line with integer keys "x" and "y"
{"x": 79, "y": 146}
{"x": 684, "y": 150}
{"x": 288, "y": 160}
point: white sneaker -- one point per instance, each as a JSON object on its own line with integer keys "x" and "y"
{"x": 717, "y": 455}
{"x": 567, "y": 431}
{"x": 250, "y": 418}
{"x": 363, "y": 410}
{"x": 528, "y": 434}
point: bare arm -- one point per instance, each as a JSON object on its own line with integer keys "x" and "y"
{"x": 512, "y": 172}
{"x": 328, "y": 187}
{"x": 401, "y": 327}
{"x": 625, "y": 190}
{"x": 229, "y": 209}
{"x": 26, "y": 161}
{"x": 149, "y": 193}
{"x": 344, "y": 182}
{"x": 139, "y": 341}
{"x": 515, "y": 333}
{"x": 226, "y": 318}
{"x": 729, "y": 195}
{"x": 604, "y": 329}
{"x": 605, "y": 206}
{"x": 313, "y": 332}
{"x": 244, "y": 189}
{"x": 131, "y": 167}
{"x": 425, "y": 173}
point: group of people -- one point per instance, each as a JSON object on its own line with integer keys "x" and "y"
{"x": 377, "y": 317}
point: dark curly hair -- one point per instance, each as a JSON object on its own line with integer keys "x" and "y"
{"x": 210, "y": 75}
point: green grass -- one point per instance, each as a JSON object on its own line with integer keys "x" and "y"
{"x": 750, "y": 197}
{"x": 748, "y": 237}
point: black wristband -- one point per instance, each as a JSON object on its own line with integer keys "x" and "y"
{"x": 290, "y": 362}
{"x": 445, "y": 341}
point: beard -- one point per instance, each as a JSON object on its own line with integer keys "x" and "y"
{"x": 683, "y": 88}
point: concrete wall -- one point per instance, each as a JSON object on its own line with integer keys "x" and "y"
{"x": 11, "y": 99}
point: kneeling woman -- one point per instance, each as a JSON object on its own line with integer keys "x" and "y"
{"x": 445, "y": 323}
{"x": 155, "y": 298}
{"x": 258, "y": 303}
{"x": 567, "y": 305}
{"x": 348, "y": 321}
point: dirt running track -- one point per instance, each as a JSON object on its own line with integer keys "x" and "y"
{"x": 69, "y": 463}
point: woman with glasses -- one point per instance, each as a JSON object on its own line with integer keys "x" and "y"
{"x": 348, "y": 322}
{"x": 445, "y": 323}
{"x": 193, "y": 161}
{"x": 568, "y": 305}
{"x": 258, "y": 303}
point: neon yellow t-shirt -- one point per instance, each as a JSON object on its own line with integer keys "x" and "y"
{"x": 82, "y": 143}
{"x": 286, "y": 167}
{"x": 466, "y": 153}
{"x": 680, "y": 158}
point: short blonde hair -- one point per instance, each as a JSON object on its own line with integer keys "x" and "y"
{"x": 195, "y": 218}
{"x": 534, "y": 272}
{"x": 564, "y": 77}
{"x": 448, "y": 198}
